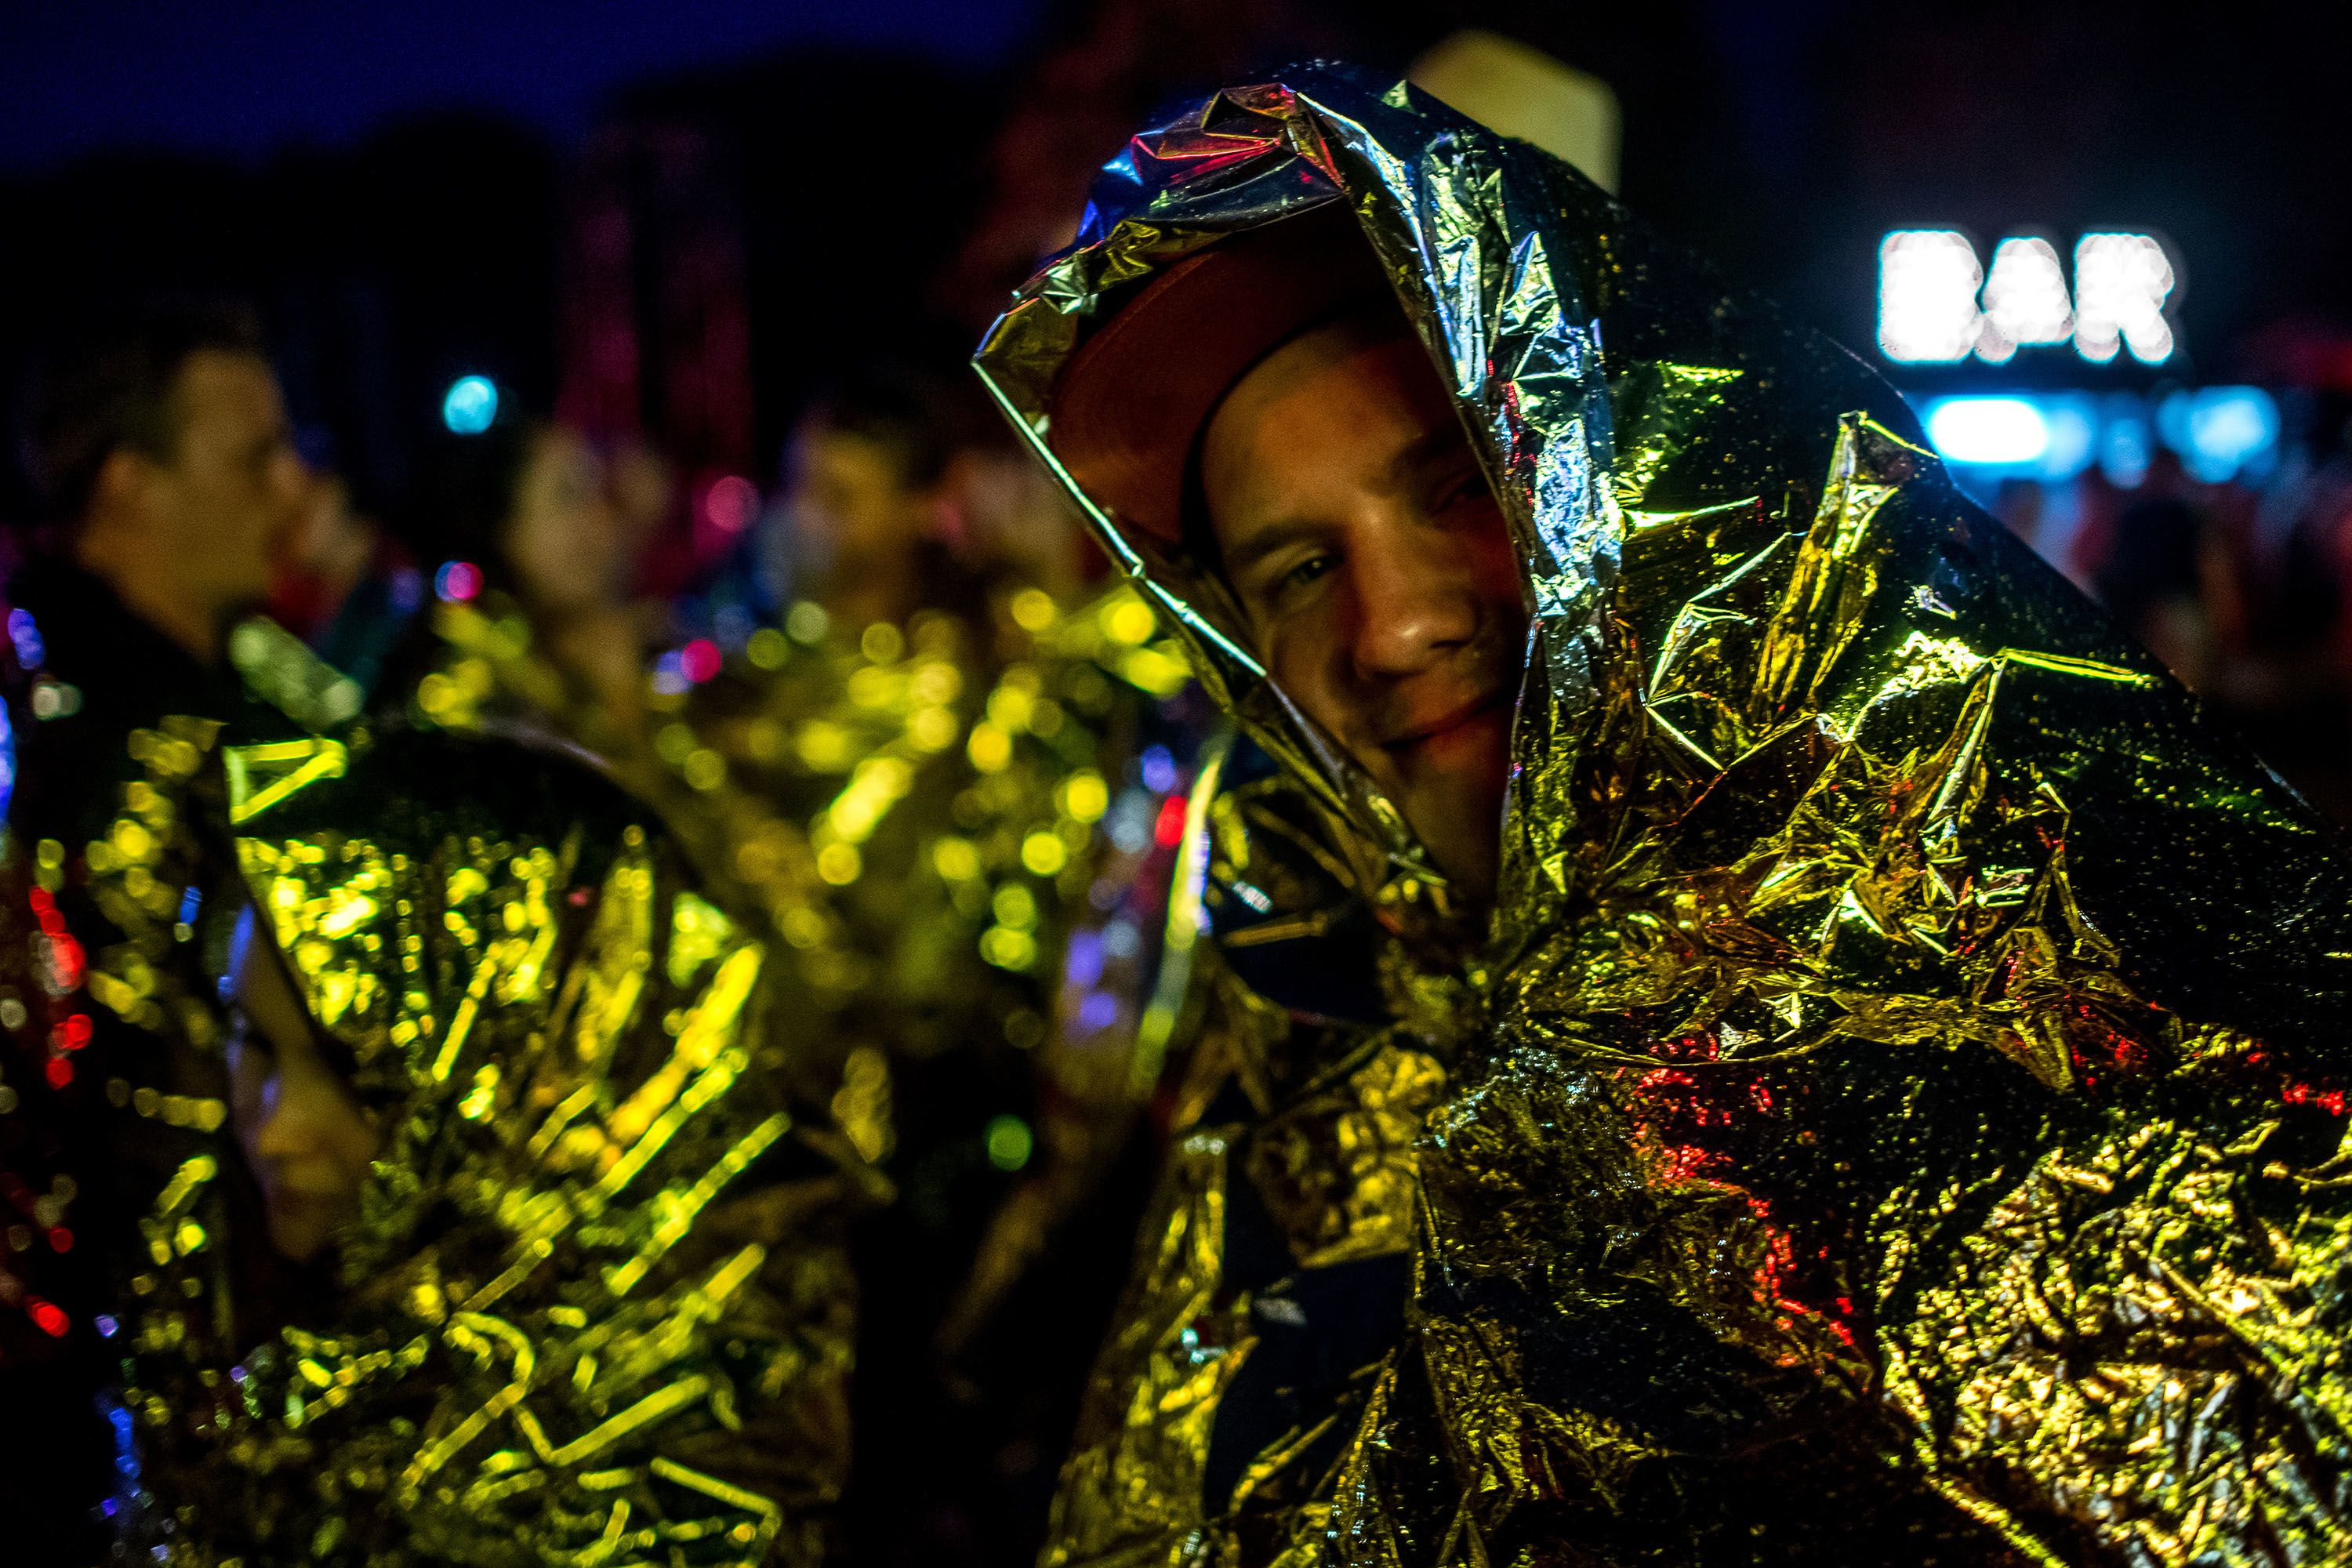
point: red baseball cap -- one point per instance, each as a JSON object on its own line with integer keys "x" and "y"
{"x": 1128, "y": 409}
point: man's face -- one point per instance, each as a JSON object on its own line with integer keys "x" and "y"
{"x": 1379, "y": 582}
{"x": 849, "y": 500}
{"x": 564, "y": 538}
{"x": 228, "y": 502}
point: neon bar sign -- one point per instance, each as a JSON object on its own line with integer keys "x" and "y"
{"x": 1938, "y": 304}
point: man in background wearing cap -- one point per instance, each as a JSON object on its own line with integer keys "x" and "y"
{"x": 1821, "y": 1080}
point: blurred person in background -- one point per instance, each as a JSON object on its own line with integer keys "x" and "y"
{"x": 470, "y": 1232}
{"x": 160, "y": 446}
{"x": 2316, "y": 554}
{"x": 919, "y": 783}
{"x": 190, "y": 1126}
{"x": 2304, "y": 725}
{"x": 951, "y": 771}
{"x": 2167, "y": 577}
{"x": 532, "y": 627}
{"x": 161, "y": 451}
{"x": 869, "y": 522}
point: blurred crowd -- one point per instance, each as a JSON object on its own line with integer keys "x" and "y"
{"x": 899, "y": 721}
{"x": 909, "y": 725}
{"x": 2239, "y": 586}
{"x": 908, "y": 731}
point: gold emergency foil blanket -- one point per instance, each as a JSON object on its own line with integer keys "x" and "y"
{"x": 590, "y": 1310}
{"x": 917, "y": 815}
{"x": 1896, "y": 1114}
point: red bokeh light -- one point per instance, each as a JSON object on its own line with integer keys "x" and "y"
{"x": 698, "y": 660}
{"x": 457, "y": 581}
{"x": 730, "y": 503}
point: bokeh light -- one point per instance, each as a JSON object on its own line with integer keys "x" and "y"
{"x": 730, "y": 503}
{"x": 457, "y": 581}
{"x": 470, "y": 405}
{"x": 1987, "y": 429}
{"x": 1010, "y": 1142}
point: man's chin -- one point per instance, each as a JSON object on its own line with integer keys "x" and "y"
{"x": 301, "y": 1227}
{"x": 299, "y": 1243}
{"x": 1452, "y": 793}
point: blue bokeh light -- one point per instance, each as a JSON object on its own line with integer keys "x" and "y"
{"x": 470, "y": 405}
{"x": 2219, "y": 431}
{"x": 2006, "y": 431}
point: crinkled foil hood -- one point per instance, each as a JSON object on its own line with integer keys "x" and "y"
{"x": 1911, "y": 1039}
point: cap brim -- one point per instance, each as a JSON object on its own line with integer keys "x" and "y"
{"x": 1130, "y": 403}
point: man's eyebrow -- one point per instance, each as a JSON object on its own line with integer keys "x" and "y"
{"x": 1427, "y": 450}
{"x": 1270, "y": 540}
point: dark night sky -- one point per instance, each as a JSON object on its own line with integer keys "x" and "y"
{"x": 250, "y": 77}
{"x": 1780, "y": 135}
{"x": 390, "y": 175}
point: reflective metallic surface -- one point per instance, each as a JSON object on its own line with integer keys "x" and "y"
{"x": 926, "y": 818}
{"x": 1896, "y": 1111}
{"x": 590, "y": 1307}
{"x": 917, "y": 813}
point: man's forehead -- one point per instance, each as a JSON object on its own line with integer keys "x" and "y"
{"x": 1374, "y": 402}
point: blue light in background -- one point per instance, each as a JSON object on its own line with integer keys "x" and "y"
{"x": 2074, "y": 421}
{"x": 27, "y": 634}
{"x": 470, "y": 405}
{"x": 2127, "y": 445}
{"x": 1158, "y": 770}
{"x": 2005, "y": 432}
{"x": 2219, "y": 430}
{"x": 2220, "y": 433}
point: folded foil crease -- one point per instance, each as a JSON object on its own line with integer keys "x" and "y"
{"x": 1897, "y": 1113}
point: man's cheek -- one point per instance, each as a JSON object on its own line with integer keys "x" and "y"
{"x": 1302, "y": 670}
{"x": 1498, "y": 570}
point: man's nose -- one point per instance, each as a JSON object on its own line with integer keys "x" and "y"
{"x": 293, "y": 479}
{"x": 1412, "y": 600}
{"x": 286, "y": 1135}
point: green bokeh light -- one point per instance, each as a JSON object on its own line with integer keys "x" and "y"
{"x": 1010, "y": 1142}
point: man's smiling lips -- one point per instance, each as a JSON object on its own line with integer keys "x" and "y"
{"x": 1421, "y": 732}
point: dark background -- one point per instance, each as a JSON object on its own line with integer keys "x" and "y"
{"x": 667, "y": 220}
{"x": 414, "y": 188}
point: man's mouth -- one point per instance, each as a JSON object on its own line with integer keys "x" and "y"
{"x": 322, "y": 1197}
{"x": 1417, "y": 733}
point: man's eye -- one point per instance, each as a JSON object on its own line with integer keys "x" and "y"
{"x": 1455, "y": 488}
{"x": 1301, "y": 576}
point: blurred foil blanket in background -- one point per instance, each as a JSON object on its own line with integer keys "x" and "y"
{"x": 594, "y": 1306}
{"x": 1896, "y": 1113}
